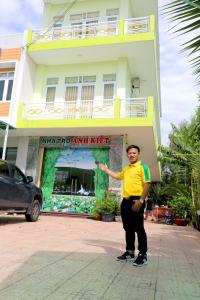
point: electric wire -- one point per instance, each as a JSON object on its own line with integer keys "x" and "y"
{"x": 59, "y": 16}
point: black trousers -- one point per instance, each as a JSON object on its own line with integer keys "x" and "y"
{"x": 133, "y": 222}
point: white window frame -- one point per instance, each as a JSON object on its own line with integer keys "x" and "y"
{"x": 46, "y": 89}
{"x": 6, "y": 83}
{"x": 80, "y": 84}
{"x": 112, "y": 18}
{"x": 84, "y": 22}
{"x": 106, "y": 101}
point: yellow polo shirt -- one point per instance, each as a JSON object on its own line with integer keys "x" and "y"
{"x": 134, "y": 176}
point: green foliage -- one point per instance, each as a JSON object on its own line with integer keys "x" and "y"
{"x": 110, "y": 204}
{"x": 101, "y": 178}
{"x": 183, "y": 206}
{"x": 49, "y": 170}
{"x": 69, "y": 204}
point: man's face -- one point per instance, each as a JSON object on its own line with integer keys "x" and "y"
{"x": 133, "y": 155}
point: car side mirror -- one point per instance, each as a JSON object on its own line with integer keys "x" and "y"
{"x": 29, "y": 179}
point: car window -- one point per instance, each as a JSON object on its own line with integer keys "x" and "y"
{"x": 17, "y": 174}
{"x": 4, "y": 171}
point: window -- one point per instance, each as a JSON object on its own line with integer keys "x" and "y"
{"x": 74, "y": 181}
{"x": 80, "y": 92}
{"x": 83, "y": 24}
{"x": 51, "y": 90}
{"x": 112, "y": 14}
{"x": 4, "y": 171}
{"x": 6, "y": 85}
{"x": 109, "y": 88}
{"x": 80, "y": 87}
{"x": 17, "y": 174}
{"x": 11, "y": 154}
{"x": 57, "y": 26}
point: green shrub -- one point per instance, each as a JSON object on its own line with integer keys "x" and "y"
{"x": 183, "y": 206}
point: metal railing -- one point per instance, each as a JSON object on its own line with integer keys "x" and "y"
{"x": 110, "y": 28}
{"x": 77, "y": 32}
{"x": 68, "y": 110}
{"x": 133, "y": 108}
{"x": 137, "y": 25}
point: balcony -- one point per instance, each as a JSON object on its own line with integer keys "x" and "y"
{"x": 101, "y": 29}
{"x": 86, "y": 109}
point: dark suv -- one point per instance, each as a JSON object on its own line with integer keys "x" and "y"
{"x": 17, "y": 192}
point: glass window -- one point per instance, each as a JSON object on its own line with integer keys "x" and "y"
{"x": 52, "y": 81}
{"x": 51, "y": 89}
{"x": 108, "y": 91}
{"x": 74, "y": 181}
{"x": 50, "y": 95}
{"x": 9, "y": 91}
{"x": 11, "y": 154}
{"x": 6, "y": 85}
{"x": 109, "y": 85}
{"x": 58, "y": 21}
{"x": 71, "y": 93}
{"x": 4, "y": 171}
{"x": 2, "y": 84}
{"x": 112, "y": 14}
{"x": 87, "y": 92}
{"x": 17, "y": 174}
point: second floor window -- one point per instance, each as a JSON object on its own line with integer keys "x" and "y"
{"x": 6, "y": 85}
{"x": 80, "y": 88}
{"x": 51, "y": 85}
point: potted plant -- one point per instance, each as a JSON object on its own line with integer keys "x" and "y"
{"x": 108, "y": 208}
{"x": 183, "y": 209}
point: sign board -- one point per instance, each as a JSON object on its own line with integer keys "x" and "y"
{"x": 85, "y": 141}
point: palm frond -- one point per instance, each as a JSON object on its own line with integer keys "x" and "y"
{"x": 186, "y": 14}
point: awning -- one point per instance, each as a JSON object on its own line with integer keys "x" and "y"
{"x": 3, "y": 125}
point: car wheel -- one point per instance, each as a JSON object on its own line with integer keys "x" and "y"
{"x": 34, "y": 212}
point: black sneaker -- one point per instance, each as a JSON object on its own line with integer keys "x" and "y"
{"x": 126, "y": 256}
{"x": 141, "y": 260}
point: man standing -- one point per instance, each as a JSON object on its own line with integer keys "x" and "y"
{"x": 136, "y": 186}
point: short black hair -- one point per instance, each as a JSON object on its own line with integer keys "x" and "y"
{"x": 132, "y": 146}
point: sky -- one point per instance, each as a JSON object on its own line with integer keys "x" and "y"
{"x": 178, "y": 87}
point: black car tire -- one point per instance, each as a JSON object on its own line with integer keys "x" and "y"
{"x": 34, "y": 213}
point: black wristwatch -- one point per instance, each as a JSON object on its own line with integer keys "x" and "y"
{"x": 141, "y": 200}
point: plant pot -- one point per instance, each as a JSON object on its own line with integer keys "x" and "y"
{"x": 98, "y": 218}
{"x": 181, "y": 222}
{"x": 108, "y": 217}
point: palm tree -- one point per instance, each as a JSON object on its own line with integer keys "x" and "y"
{"x": 187, "y": 15}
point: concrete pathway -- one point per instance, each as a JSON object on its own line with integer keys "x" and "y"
{"x": 62, "y": 258}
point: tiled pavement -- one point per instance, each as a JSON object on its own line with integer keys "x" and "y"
{"x": 62, "y": 258}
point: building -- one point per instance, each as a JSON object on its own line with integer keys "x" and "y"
{"x": 88, "y": 86}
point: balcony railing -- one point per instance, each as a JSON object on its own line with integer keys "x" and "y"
{"x": 77, "y": 32}
{"x": 131, "y": 26}
{"x": 89, "y": 109}
{"x": 134, "y": 108}
{"x": 137, "y": 25}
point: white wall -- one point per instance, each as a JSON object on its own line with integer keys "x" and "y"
{"x": 22, "y": 152}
